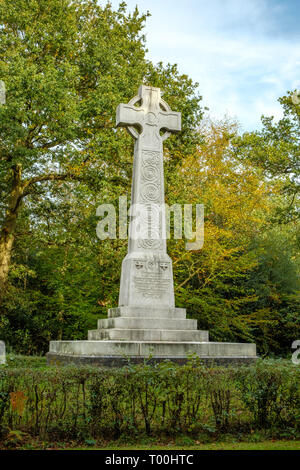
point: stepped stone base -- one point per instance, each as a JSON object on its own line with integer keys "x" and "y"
{"x": 148, "y": 312}
{"x": 137, "y": 334}
{"x": 118, "y": 361}
{"x": 148, "y": 335}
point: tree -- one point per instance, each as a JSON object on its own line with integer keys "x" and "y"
{"x": 243, "y": 284}
{"x": 212, "y": 282}
{"x": 274, "y": 312}
{"x": 66, "y": 65}
{"x": 276, "y": 150}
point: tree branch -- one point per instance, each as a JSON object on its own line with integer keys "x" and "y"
{"x": 63, "y": 177}
{"x": 49, "y": 177}
{"x": 48, "y": 145}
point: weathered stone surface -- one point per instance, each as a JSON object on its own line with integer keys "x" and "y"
{"x": 2, "y": 92}
{"x": 148, "y": 335}
{"x": 147, "y": 323}
{"x": 120, "y": 361}
{"x": 147, "y": 312}
{"x": 155, "y": 348}
{"x": 2, "y": 352}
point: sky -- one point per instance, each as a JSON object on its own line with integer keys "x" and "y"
{"x": 244, "y": 54}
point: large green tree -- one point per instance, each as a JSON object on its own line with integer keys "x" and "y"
{"x": 276, "y": 150}
{"x": 66, "y": 64}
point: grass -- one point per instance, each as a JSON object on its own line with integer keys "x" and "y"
{"x": 264, "y": 445}
{"x": 220, "y": 446}
{"x": 18, "y": 360}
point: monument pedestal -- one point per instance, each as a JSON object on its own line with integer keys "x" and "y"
{"x": 146, "y": 323}
{"x": 153, "y": 333}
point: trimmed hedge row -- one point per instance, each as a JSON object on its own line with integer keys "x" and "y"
{"x": 80, "y": 402}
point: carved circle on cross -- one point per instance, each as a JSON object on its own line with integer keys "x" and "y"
{"x": 151, "y": 192}
{"x": 150, "y": 172}
{"x": 152, "y": 120}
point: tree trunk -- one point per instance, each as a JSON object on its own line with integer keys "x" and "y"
{"x": 7, "y": 233}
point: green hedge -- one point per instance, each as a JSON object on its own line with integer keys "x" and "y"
{"x": 80, "y": 402}
{"x": 18, "y": 360}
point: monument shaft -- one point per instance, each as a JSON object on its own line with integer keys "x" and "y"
{"x": 147, "y": 277}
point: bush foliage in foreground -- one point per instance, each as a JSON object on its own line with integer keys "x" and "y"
{"x": 71, "y": 402}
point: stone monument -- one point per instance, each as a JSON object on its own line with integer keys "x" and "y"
{"x": 146, "y": 323}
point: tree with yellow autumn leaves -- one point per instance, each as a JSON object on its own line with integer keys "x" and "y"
{"x": 221, "y": 283}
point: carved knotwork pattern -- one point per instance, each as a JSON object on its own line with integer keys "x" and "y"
{"x": 151, "y": 194}
{"x": 150, "y": 157}
{"x": 150, "y": 181}
{"x": 164, "y": 266}
{"x": 139, "y": 264}
{"x": 150, "y": 244}
{"x": 150, "y": 172}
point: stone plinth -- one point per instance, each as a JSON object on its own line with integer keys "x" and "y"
{"x": 135, "y": 334}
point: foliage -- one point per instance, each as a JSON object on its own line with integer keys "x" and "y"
{"x": 274, "y": 312}
{"x": 275, "y": 150}
{"x": 66, "y": 69}
{"x": 15, "y": 361}
{"x": 243, "y": 284}
{"x": 270, "y": 393}
{"x": 64, "y": 65}
{"x": 210, "y": 282}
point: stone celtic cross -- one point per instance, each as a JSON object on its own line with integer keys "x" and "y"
{"x": 147, "y": 269}
{"x": 151, "y": 116}
{"x": 146, "y": 324}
